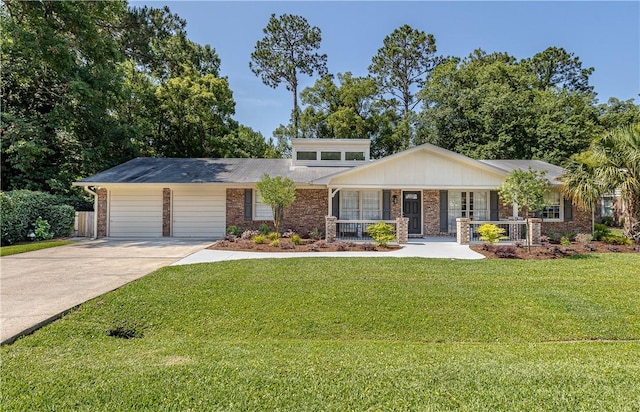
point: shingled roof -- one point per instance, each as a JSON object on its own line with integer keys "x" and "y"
{"x": 195, "y": 170}
{"x": 552, "y": 172}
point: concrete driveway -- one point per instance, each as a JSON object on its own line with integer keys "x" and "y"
{"x": 38, "y": 287}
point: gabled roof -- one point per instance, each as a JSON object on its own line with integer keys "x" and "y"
{"x": 552, "y": 172}
{"x": 423, "y": 147}
{"x": 191, "y": 170}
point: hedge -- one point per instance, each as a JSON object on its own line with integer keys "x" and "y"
{"x": 19, "y": 210}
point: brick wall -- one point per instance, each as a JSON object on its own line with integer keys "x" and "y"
{"x": 102, "y": 212}
{"x": 307, "y": 212}
{"x": 431, "y": 212}
{"x": 581, "y": 223}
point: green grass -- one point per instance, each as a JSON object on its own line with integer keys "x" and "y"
{"x": 30, "y": 247}
{"x": 346, "y": 334}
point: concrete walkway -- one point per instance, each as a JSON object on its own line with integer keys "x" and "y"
{"x": 39, "y": 287}
{"x": 443, "y": 248}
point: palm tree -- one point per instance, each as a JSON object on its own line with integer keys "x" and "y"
{"x": 612, "y": 163}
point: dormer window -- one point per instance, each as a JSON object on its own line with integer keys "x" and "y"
{"x": 330, "y": 152}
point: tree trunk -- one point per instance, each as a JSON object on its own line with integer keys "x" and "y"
{"x": 632, "y": 218}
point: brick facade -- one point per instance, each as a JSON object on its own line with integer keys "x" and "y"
{"x": 102, "y": 212}
{"x": 166, "y": 212}
{"x": 306, "y": 214}
{"x": 581, "y": 223}
{"x": 431, "y": 212}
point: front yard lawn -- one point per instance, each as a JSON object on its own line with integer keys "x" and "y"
{"x": 345, "y": 334}
{"x": 32, "y": 246}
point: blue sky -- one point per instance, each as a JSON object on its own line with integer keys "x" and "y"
{"x": 604, "y": 35}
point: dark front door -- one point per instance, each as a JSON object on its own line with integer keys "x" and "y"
{"x": 411, "y": 209}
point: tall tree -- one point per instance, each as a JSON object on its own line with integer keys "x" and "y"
{"x": 400, "y": 67}
{"x": 339, "y": 110}
{"x": 486, "y": 106}
{"x": 59, "y": 79}
{"x": 288, "y": 49}
{"x": 612, "y": 163}
{"x": 555, "y": 67}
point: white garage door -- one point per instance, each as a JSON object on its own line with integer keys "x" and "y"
{"x": 135, "y": 213}
{"x": 199, "y": 212}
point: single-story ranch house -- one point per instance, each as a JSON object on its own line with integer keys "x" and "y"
{"x": 431, "y": 186}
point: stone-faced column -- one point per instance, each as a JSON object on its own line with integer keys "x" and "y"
{"x": 462, "y": 230}
{"x": 330, "y": 229}
{"x": 402, "y": 229}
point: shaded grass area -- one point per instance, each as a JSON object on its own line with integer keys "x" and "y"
{"x": 346, "y": 334}
{"x": 30, "y": 247}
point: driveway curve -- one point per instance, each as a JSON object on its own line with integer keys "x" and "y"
{"x": 39, "y": 287}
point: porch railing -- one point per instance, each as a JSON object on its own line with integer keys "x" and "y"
{"x": 357, "y": 229}
{"x": 514, "y": 230}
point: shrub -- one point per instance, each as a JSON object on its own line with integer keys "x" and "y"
{"x": 315, "y": 234}
{"x": 506, "y": 252}
{"x": 275, "y": 242}
{"x": 584, "y": 238}
{"x": 264, "y": 229}
{"x": 295, "y": 239}
{"x": 612, "y": 239}
{"x": 259, "y": 239}
{"x": 234, "y": 230}
{"x": 600, "y": 231}
{"x": 381, "y": 233}
{"x": 288, "y": 233}
{"x": 42, "y": 229}
{"x": 491, "y": 233}
{"x": 564, "y": 241}
{"x": 19, "y": 210}
{"x": 249, "y": 234}
{"x": 273, "y": 236}
{"x": 607, "y": 221}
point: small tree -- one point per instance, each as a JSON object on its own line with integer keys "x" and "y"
{"x": 278, "y": 193}
{"x": 525, "y": 189}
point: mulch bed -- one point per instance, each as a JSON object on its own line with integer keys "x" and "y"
{"x": 550, "y": 251}
{"x": 307, "y": 245}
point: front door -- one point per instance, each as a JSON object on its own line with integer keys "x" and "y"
{"x": 411, "y": 209}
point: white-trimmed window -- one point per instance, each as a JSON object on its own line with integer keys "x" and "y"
{"x": 553, "y": 209}
{"x": 360, "y": 205}
{"x": 261, "y": 210}
{"x": 608, "y": 205}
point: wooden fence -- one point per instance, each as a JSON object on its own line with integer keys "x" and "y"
{"x": 83, "y": 226}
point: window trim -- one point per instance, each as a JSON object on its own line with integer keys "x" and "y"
{"x": 560, "y": 207}
{"x": 360, "y": 203}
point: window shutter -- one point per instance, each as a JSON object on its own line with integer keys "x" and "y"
{"x": 386, "y": 205}
{"x": 444, "y": 211}
{"x": 248, "y": 204}
{"x": 568, "y": 210}
{"x": 335, "y": 205}
{"x": 494, "y": 209}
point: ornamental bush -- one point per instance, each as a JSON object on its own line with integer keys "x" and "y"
{"x": 491, "y": 233}
{"x": 381, "y": 233}
{"x": 20, "y": 209}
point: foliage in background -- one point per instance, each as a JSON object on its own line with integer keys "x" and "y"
{"x": 278, "y": 193}
{"x": 611, "y": 164}
{"x": 20, "y": 209}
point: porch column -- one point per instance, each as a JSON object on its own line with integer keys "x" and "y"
{"x": 330, "y": 229}
{"x": 535, "y": 230}
{"x": 462, "y": 230}
{"x": 402, "y": 229}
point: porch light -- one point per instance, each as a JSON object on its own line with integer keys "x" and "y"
{"x": 395, "y": 199}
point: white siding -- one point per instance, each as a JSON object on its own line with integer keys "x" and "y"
{"x": 135, "y": 213}
{"x": 422, "y": 169}
{"x": 199, "y": 212}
